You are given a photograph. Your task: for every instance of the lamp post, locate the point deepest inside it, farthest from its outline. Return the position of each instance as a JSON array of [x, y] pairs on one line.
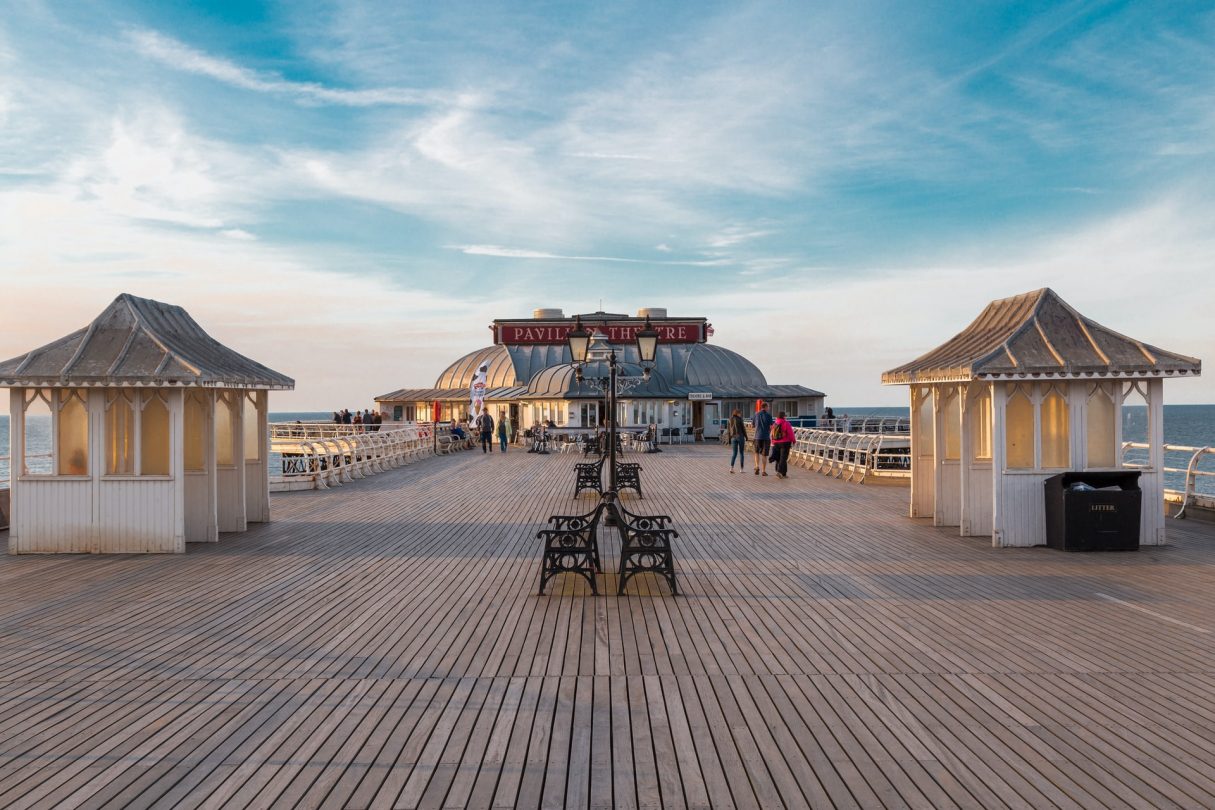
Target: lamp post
[[647, 348]]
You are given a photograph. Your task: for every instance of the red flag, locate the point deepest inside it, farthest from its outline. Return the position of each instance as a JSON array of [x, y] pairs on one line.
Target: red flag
[[437, 410]]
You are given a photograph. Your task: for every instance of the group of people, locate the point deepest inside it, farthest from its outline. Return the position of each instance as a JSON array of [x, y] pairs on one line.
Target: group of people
[[345, 417], [485, 426], [773, 441]]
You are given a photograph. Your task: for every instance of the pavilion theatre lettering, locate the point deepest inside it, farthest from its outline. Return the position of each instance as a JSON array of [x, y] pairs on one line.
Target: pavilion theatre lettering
[[539, 333]]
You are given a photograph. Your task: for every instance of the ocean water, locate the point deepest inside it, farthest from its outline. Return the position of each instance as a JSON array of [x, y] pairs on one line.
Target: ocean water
[[1188, 425]]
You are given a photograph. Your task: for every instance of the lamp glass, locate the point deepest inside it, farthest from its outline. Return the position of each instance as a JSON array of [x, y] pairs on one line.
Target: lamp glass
[[647, 342], [579, 340]]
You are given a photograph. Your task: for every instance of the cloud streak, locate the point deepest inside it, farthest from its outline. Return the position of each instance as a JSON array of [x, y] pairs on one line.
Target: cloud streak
[[522, 253], [178, 55]]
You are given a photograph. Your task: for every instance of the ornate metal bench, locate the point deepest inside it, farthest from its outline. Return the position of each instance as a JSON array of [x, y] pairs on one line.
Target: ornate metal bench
[[645, 546], [628, 476], [571, 547], [589, 476]]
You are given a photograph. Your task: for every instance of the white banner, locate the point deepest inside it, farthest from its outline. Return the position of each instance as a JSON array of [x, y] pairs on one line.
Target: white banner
[[477, 390]]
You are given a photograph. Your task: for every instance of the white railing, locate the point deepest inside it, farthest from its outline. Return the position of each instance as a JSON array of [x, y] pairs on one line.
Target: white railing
[[7, 461], [852, 456], [331, 430], [1134, 455], [322, 462]]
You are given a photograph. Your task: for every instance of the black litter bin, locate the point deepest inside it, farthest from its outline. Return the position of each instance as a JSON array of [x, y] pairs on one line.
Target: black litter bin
[[1093, 511]]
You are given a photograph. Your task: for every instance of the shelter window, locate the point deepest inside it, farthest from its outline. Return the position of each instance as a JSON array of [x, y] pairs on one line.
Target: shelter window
[[251, 424], [789, 406], [980, 425], [951, 422], [1055, 431], [225, 435], [1102, 442], [1019, 431], [153, 434], [119, 433], [38, 441], [925, 419], [196, 432], [72, 432]]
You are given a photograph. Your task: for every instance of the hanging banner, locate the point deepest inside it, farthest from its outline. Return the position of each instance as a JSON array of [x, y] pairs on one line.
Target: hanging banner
[[477, 389]]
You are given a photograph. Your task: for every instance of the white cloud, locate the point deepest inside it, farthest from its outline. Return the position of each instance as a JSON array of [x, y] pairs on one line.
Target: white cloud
[[344, 337], [180, 56], [521, 253]]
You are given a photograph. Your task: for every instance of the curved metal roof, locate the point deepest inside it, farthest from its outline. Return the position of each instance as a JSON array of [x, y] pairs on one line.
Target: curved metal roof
[[1038, 334], [679, 368], [140, 342]]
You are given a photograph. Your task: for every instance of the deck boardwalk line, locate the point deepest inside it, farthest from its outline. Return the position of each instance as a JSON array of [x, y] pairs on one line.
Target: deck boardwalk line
[[382, 645]]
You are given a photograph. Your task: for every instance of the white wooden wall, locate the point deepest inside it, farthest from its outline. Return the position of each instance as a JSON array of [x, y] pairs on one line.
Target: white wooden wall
[[257, 473], [98, 514], [230, 478], [977, 483], [202, 524], [947, 486], [922, 458]]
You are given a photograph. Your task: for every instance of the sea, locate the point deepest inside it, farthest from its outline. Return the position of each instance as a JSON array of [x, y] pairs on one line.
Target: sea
[[1186, 425]]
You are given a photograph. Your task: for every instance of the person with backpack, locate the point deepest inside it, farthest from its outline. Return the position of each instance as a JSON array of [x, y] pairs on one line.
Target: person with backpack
[[762, 422], [485, 426], [736, 432], [782, 443]]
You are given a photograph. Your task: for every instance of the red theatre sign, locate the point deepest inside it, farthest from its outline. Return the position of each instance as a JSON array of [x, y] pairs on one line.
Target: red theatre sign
[[538, 332]]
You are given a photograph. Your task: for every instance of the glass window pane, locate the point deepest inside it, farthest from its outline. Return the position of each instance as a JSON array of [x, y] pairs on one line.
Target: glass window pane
[[119, 434], [926, 427], [980, 426], [252, 445], [951, 419], [1100, 430], [37, 437], [195, 433], [224, 437], [73, 433], [1055, 433], [1019, 432], [154, 436]]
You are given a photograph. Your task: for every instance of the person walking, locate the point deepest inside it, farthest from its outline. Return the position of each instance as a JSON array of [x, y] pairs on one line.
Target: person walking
[[736, 432], [485, 426], [762, 422], [503, 431], [782, 444]]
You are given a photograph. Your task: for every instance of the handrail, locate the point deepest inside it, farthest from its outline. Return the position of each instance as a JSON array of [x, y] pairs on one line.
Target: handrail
[[1191, 471], [329, 430], [324, 461], [852, 456]]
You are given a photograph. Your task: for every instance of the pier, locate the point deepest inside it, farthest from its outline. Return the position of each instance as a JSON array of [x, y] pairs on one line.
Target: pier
[[382, 644]]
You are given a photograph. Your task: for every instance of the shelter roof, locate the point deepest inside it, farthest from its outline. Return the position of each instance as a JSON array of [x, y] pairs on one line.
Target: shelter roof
[[140, 342], [1037, 334]]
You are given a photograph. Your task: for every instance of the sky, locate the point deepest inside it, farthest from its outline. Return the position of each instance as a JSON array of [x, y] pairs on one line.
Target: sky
[[349, 192]]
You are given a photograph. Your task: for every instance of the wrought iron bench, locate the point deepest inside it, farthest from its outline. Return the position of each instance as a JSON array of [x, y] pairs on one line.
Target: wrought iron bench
[[628, 476], [571, 547], [645, 547], [589, 476]]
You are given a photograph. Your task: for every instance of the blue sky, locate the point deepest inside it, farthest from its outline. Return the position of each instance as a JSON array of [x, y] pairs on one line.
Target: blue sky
[[350, 191]]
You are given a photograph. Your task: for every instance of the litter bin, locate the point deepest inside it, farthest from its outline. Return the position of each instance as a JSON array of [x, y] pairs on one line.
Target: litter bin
[[1093, 511]]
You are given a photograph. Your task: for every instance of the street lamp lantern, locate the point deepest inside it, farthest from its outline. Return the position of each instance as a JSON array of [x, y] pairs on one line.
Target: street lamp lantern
[[647, 342], [579, 340]]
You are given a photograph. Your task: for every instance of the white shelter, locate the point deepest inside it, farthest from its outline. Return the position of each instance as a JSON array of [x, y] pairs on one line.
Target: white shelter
[[1031, 388], [138, 433]]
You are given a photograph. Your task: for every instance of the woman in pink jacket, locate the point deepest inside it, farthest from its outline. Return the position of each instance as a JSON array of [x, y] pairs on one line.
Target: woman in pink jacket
[[782, 443]]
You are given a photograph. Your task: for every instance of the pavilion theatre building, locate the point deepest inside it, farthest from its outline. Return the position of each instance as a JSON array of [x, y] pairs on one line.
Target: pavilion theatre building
[[529, 378]]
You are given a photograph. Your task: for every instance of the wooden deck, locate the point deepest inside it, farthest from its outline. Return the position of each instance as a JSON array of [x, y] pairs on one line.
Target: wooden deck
[[381, 645]]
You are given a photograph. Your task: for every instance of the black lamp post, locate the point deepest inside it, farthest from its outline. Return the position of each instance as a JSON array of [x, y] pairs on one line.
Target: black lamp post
[[647, 347]]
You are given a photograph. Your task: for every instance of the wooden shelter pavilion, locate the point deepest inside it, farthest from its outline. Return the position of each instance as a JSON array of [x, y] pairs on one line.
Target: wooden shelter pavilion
[[1031, 388], [157, 435]]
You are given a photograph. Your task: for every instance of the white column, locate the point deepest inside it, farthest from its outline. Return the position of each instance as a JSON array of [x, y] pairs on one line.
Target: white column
[[16, 448], [999, 397]]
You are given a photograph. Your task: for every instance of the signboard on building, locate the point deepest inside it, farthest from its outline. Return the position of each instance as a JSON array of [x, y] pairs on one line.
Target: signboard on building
[[700, 396], [617, 331]]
